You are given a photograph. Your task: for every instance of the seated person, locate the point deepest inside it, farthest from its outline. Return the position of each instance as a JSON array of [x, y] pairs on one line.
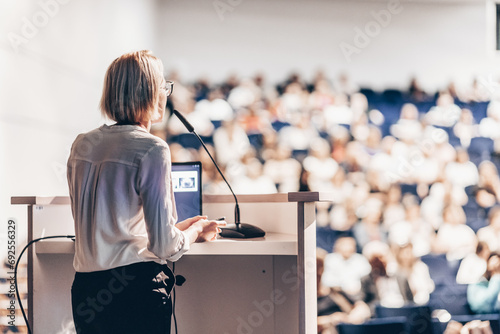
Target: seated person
[[344, 268], [454, 237], [483, 295], [491, 233], [415, 271], [384, 285], [473, 266], [335, 306], [370, 228]]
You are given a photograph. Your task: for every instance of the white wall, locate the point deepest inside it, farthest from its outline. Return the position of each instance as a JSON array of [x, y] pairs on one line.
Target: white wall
[[50, 85], [437, 41]]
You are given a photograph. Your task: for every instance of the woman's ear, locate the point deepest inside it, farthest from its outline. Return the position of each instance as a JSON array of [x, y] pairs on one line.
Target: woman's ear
[[158, 116], [159, 112]]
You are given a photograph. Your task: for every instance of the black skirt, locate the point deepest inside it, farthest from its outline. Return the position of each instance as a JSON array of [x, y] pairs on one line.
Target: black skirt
[[132, 299]]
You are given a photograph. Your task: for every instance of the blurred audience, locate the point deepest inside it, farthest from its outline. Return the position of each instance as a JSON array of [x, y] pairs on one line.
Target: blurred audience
[[408, 169]]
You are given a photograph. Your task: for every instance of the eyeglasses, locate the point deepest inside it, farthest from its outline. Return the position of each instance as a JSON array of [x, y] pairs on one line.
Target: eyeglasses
[[169, 87]]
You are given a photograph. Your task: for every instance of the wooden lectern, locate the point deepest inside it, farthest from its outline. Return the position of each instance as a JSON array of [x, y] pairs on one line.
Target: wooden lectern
[[265, 285]]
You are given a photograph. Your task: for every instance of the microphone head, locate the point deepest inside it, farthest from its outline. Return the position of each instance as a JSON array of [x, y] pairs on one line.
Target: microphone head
[[184, 121]]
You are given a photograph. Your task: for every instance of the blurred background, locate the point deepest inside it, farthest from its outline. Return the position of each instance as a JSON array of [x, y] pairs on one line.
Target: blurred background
[[389, 104]]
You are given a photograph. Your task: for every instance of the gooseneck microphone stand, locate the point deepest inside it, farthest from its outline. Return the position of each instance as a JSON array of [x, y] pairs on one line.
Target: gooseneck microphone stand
[[238, 229]]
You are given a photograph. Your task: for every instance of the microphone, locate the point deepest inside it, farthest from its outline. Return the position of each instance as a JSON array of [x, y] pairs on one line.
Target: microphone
[[188, 125], [238, 229]]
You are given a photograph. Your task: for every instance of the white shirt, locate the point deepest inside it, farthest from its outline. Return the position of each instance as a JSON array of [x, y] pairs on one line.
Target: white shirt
[[122, 199], [471, 270], [285, 172], [260, 185], [462, 174], [421, 283], [458, 239], [345, 273], [321, 171], [491, 236], [230, 148], [389, 292], [417, 232]]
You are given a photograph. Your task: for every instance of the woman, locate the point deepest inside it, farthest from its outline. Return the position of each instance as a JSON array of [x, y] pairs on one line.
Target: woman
[[483, 295], [491, 233], [384, 285], [334, 305], [123, 206], [416, 273], [454, 238]]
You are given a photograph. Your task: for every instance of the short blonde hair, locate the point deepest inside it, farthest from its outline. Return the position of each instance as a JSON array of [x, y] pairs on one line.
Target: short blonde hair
[[131, 88]]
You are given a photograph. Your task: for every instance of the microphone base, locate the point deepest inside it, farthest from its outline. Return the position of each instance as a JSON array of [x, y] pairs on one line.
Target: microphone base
[[243, 231]]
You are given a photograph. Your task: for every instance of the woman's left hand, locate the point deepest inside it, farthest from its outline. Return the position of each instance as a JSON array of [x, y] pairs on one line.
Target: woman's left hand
[[185, 224]]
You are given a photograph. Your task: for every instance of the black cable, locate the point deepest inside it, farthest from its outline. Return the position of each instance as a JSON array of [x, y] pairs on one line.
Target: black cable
[[69, 237], [173, 300], [15, 272]]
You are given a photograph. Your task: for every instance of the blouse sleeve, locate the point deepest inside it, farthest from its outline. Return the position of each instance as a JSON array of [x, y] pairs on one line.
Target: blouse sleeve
[[155, 190]]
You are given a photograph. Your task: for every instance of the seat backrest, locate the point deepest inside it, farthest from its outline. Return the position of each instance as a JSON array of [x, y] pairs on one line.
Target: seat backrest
[[441, 270], [395, 325], [450, 297], [418, 317]]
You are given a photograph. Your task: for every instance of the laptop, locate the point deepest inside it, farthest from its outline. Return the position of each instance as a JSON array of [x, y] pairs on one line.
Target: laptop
[[186, 181]]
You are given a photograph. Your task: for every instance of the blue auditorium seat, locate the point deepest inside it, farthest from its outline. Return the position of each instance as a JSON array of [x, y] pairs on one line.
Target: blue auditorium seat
[[442, 271], [299, 155], [371, 95], [495, 158], [395, 325], [479, 110], [256, 140], [326, 237], [476, 216], [390, 111], [216, 123], [480, 149], [392, 96], [477, 223], [391, 114], [325, 135], [452, 138], [278, 125], [425, 106], [409, 189], [451, 297], [418, 317], [189, 140]]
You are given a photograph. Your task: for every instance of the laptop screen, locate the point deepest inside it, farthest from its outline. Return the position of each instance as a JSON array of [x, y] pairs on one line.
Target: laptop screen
[[186, 180]]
